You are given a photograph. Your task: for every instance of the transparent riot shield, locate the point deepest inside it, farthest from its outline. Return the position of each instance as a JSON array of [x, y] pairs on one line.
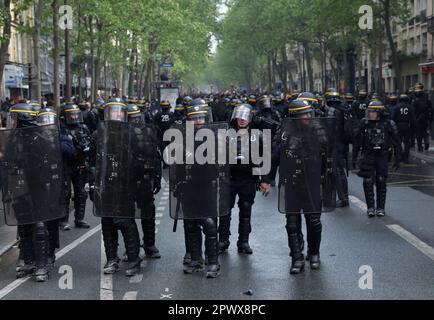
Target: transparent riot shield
[[124, 170], [306, 179], [31, 174], [199, 190]]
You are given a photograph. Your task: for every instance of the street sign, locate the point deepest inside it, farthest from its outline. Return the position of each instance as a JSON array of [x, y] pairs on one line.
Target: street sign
[[167, 65]]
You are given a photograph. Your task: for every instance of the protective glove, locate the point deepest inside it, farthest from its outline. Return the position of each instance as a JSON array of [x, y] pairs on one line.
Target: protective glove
[[157, 185]]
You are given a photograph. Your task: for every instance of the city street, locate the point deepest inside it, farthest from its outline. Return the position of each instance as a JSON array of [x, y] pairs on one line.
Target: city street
[[398, 248]]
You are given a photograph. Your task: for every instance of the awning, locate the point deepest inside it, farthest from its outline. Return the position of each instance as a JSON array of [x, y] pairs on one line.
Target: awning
[[426, 64]]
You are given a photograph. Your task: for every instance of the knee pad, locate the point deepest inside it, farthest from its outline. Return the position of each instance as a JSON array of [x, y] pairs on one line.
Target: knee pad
[[209, 226], [292, 223]]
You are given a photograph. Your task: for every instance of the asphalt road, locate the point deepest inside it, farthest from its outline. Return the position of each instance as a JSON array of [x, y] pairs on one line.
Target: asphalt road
[[398, 249]]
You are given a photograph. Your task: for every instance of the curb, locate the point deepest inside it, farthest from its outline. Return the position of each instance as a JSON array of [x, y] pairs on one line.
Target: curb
[[7, 247]]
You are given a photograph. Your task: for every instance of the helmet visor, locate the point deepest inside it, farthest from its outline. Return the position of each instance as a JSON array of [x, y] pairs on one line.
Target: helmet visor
[[73, 116], [116, 112], [242, 112]]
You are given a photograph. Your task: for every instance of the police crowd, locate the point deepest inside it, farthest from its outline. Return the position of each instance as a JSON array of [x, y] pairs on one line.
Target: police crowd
[[112, 152]]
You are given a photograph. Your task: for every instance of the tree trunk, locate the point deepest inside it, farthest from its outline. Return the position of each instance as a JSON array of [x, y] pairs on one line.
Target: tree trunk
[[68, 76], [5, 37], [36, 74], [395, 59], [56, 56], [309, 65]]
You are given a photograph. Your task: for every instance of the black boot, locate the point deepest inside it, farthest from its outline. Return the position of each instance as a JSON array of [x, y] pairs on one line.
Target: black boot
[[40, 243], [314, 231], [244, 230], [132, 246], [297, 265], [80, 211], [110, 238], [196, 263], [148, 227], [187, 256], [381, 196], [224, 233], [368, 188], [25, 265], [211, 249]]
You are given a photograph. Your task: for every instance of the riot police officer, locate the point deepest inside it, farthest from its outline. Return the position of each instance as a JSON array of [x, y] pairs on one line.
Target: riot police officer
[[37, 213], [360, 105], [337, 110], [423, 111], [179, 114], [164, 118], [301, 147], [268, 118], [403, 115], [89, 118], [194, 225], [375, 136], [243, 182], [117, 212], [76, 168], [152, 184]]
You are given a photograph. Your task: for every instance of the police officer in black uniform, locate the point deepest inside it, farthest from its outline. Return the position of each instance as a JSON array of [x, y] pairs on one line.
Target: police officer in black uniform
[[39, 240], [360, 105], [375, 136], [117, 111], [301, 109], [89, 118], [423, 111], [243, 183], [148, 187], [199, 114], [337, 110], [76, 168], [403, 115]]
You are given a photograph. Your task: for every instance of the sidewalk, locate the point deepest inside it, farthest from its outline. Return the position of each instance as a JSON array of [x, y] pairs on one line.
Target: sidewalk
[[8, 235]]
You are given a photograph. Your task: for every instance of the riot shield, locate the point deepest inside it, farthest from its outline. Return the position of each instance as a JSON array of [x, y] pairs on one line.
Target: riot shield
[[124, 175], [306, 180], [200, 190], [31, 174]]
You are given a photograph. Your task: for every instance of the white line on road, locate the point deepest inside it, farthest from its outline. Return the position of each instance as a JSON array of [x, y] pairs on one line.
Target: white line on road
[[106, 282], [131, 295], [165, 198], [358, 203], [15, 284], [413, 240], [157, 222], [159, 215], [162, 203], [161, 208]]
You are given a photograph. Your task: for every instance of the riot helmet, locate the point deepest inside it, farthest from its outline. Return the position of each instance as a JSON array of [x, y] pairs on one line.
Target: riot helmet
[[300, 109], [46, 116], [244, 113], [116, 111], [21, 115], [309, 97], [403, 98], [198, 112], [71, 114], [135, 114], [333, 97], [375, 107], [264, 102], [165, 105]]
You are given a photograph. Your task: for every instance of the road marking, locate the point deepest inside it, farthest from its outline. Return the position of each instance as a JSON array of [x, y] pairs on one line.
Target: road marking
[[131, 295], [137, 278], [165, 198], [162, 203], [157, 222], [166, 295], [358, 203], [15, 284], [159, 215], [166, 193], [106, 281], [161, 208], [156, 230], [413, 240]]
